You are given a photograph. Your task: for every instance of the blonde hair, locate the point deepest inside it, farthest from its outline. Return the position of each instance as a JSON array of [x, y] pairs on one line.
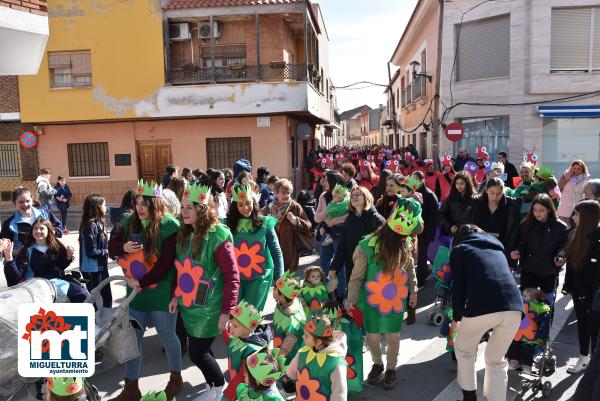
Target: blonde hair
[[283, 183], [366, 194]]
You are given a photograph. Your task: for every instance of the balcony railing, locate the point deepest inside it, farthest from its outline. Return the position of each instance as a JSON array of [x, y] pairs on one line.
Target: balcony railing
[[414, 91], [275, 72]]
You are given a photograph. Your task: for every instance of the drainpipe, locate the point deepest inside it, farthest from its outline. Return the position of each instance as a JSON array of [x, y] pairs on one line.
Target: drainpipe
[[258, 71], [395, 122], [435, 140]]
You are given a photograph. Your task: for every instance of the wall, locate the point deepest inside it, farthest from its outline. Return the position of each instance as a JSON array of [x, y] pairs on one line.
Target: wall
[[39, 7], [9, 94], [188, 144], [121, 73]]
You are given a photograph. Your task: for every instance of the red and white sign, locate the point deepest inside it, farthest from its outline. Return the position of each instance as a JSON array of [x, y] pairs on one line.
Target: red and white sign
[[455, 132], [28, 140]]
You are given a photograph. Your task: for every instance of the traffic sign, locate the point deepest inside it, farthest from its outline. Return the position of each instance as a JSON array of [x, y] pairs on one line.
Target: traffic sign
[[28, 140], [455, 132]]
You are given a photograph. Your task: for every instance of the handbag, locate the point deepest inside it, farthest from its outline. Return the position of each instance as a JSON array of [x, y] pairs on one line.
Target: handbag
[[302, 241]]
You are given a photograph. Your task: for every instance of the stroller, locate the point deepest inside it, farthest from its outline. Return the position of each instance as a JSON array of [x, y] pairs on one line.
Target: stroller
[[443, 283]]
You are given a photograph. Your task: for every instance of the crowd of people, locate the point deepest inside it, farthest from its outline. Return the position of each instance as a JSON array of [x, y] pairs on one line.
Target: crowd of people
[[205, 250]]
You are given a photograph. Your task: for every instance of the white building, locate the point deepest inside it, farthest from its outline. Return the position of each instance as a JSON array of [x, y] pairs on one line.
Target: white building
[[524, 53]]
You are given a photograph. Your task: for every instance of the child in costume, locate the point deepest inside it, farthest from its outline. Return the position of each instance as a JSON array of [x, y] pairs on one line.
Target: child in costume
[[66, 389], [408, 188], [289, 318], [319, 368], [380, 284], [263, 369], [256, 246], [338, 207], [245, 336], [154, 396], [313, 293], [533, 331]]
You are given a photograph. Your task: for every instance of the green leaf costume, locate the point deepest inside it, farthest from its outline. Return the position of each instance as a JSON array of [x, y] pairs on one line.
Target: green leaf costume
[[337, 209], [354, 356], [292, 323], [245, 393], [313, 381], [313, 296]]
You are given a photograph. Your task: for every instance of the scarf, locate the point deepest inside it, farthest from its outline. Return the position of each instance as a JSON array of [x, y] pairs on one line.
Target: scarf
[[278, 209]]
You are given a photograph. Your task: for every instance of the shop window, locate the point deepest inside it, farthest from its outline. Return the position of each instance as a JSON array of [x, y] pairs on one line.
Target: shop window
[[88, 159], [70, 69], [568, 139], [491, 132], [9, 160], [224, 152]]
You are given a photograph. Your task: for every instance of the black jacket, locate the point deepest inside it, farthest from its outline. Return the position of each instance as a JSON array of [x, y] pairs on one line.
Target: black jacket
[[477, 217], [540, 244], [511, 172], [354, 229], [454, 213], [48, 265], [585, 282], [430, 213], [482, 281]]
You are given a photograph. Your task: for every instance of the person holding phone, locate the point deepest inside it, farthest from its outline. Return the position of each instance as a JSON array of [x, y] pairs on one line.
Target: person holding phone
[[144, 245], [541, 249], [208, 282]]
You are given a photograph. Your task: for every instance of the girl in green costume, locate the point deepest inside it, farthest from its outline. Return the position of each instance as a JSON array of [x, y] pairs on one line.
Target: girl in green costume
[[144, 245], [207, 282], [289, 318], [264, 368], [382, 277], [314, 293], [257, 249]]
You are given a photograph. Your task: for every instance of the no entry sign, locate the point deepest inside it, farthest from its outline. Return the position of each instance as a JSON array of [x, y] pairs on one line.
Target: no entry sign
[[455, 132], [28, 140]]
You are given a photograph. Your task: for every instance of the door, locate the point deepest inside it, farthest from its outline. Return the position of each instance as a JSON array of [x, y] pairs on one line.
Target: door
[[153, 159]]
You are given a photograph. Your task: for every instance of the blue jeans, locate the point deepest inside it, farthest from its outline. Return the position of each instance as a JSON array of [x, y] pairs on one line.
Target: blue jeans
[[326, 257], [164, 322]]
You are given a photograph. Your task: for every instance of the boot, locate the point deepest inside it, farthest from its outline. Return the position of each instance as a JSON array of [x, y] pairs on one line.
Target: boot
[[469, 395], [374, 376], [389, 379], [130, 392], [174, 385], [411, 316]]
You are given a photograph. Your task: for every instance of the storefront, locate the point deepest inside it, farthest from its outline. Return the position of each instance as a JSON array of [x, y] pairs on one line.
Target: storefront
[[491, 132]]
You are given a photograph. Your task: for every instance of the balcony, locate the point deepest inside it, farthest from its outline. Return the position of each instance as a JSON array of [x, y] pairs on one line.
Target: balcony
[[274, 72], [415, 93]]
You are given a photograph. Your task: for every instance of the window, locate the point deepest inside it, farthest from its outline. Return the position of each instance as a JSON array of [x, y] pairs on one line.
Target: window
[[227, 55], [70, 69], [491, 132], [575, 39], [88, 159], [9, 160], [483, 49], [568, 139], [223, 152]]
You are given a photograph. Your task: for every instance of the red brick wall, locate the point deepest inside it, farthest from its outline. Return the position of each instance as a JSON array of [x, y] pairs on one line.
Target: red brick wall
[[39, 7], [10, 132], [9, 94]]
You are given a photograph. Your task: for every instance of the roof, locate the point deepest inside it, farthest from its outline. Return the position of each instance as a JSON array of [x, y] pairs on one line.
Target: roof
[[374, 119], [182, 4], [352, 112]]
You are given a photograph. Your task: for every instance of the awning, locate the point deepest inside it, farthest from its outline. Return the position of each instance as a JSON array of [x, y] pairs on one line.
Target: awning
[[569, 111]]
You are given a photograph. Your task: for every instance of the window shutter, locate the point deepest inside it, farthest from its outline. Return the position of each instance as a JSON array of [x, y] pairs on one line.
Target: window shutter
[[484, 49], [81, 63], [570, 39], [596, 34]]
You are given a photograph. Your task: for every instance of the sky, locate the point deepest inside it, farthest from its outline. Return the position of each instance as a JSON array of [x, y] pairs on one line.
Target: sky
[[362, 37]]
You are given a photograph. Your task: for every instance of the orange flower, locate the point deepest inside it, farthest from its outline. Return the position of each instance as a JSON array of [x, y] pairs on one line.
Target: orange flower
[[188, 278], [445, 273], [314, 304], [135, 266], [249, 260], [310, 326], [528, 326], [277, 341], [386, 293], [307, 389], [350, 372], [72, 388]]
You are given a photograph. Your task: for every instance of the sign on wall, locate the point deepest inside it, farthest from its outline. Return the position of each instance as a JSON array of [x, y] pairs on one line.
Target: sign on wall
[[28, 140], [263, 122]]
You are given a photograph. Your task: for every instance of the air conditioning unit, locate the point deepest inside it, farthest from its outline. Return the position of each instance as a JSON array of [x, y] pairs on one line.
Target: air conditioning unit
[[204, 30], [179, 31]]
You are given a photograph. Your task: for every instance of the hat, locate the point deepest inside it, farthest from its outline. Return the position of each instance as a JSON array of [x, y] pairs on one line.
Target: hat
[[340, 190], [262, 370], [197, 193], [446, 160], [412, 183], [498, 165], [482, 153], [241, 165], [288, 285], [65, 386], [544, 173], [148, 188], [428, 162], [247, 315], [391, 164], [241, 193], [321, 327], [363, 165], [406, 216], [154, 396]]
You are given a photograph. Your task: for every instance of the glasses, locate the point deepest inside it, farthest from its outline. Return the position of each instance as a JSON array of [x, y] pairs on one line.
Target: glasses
[[357, 195]]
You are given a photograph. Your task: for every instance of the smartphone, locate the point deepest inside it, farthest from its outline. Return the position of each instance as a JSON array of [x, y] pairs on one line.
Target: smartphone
[[136, 237], [503, 176], [202, 294]]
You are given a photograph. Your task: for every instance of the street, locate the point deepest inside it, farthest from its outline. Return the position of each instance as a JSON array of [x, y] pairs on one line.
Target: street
[[424, 372]]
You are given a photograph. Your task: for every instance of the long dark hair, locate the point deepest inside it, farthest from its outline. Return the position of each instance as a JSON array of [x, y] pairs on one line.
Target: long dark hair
[[206, 219], [380, 188], [589, 218], [333, 178], [128, 200], [53, 243], [213, 175], [91, 213], [454, 195], [394, 251], [156, 212], [492, 182], [544, 200], [234, 216], [388, 202], [177, 185]]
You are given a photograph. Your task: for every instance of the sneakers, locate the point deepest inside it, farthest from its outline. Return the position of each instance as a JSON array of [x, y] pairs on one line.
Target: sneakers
[[389, 379], [580, 365], [514, 364], [212, 394], [374, 376]]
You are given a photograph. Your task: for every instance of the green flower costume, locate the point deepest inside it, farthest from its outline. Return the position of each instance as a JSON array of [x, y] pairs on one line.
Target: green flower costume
[[313, 382], [157, 296], [200, 284], [337, 209], [255, 262], [292, 323], [245, 393], [313, 296], [354, 355]]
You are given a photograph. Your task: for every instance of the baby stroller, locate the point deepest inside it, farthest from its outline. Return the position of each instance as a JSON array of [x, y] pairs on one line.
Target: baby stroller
[[545, 359], [443, 283]]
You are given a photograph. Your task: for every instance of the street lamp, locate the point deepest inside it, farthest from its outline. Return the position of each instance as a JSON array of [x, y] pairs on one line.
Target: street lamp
[[415, 64]]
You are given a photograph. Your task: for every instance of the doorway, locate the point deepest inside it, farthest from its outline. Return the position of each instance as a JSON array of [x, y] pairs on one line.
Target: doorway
[[154, 156]]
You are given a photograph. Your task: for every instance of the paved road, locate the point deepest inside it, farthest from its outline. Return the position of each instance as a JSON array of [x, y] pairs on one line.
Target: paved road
[[424, 372]]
